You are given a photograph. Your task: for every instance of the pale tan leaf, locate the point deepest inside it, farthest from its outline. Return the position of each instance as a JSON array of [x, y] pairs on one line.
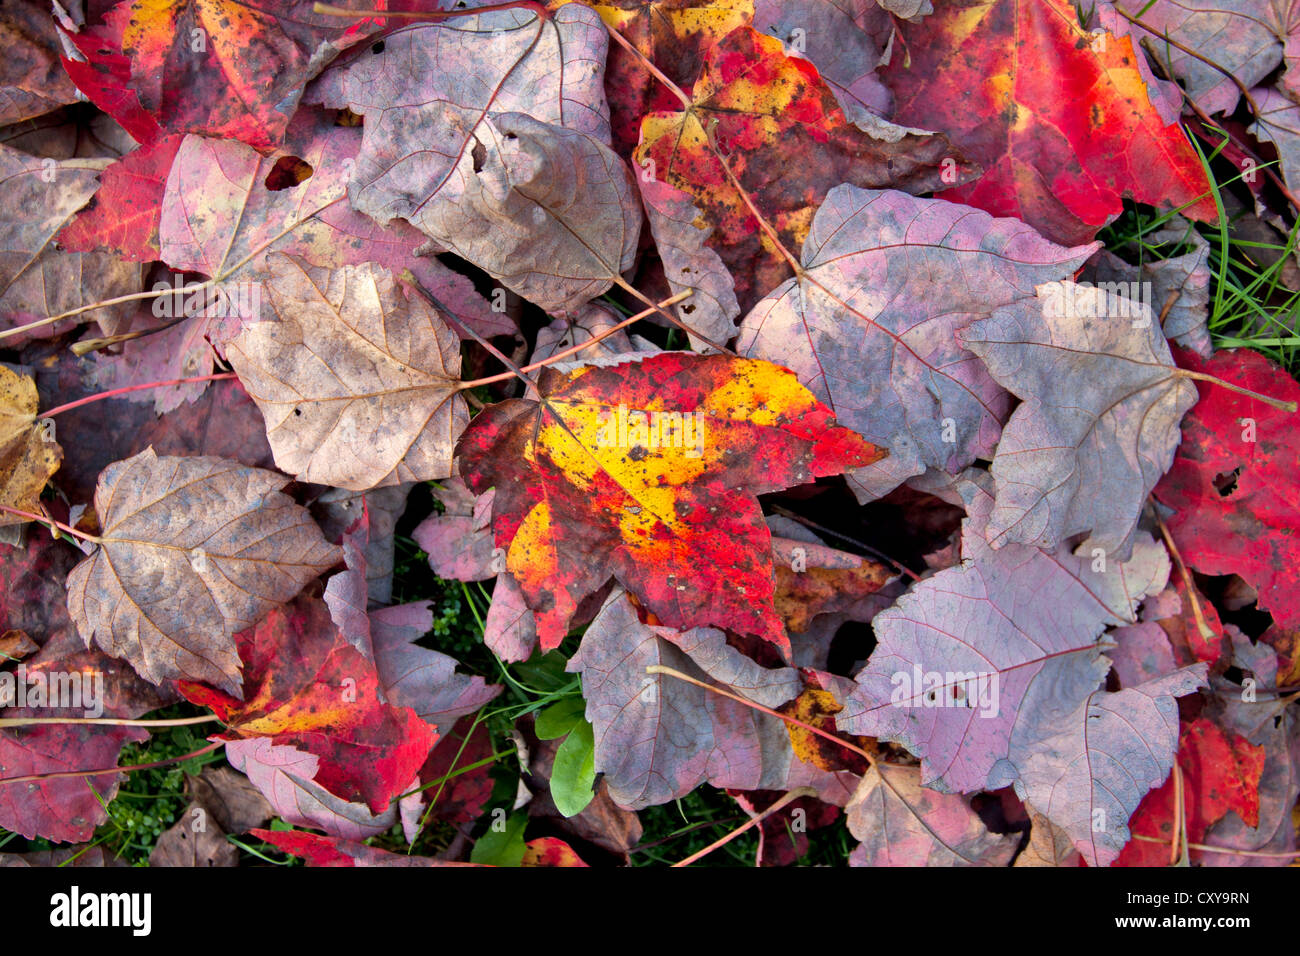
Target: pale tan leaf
[[356, 377], [193, 550]]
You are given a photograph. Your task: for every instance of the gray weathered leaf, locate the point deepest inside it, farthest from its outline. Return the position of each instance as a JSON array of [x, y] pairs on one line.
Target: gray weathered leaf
[[338, 509], [908, 9], [915, 272], [1179, 283], [550, 212], [432, 99], [1087, 767], [1278, 122], [1142, 651], [1099, 422], [426, 91], [458, 540], [961, 653], [689, 264], [219, 216], [658, 738], [509, 630], [424, 680], [901, 823], [37, 280], [588, 322]]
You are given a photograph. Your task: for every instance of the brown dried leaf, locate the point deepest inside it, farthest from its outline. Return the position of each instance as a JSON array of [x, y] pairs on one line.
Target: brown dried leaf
[[356, 377], [1049, 845], [29, 455], [813, 579], [229, 797], [193, 550], [15, 645], [194, 841], [32, 81]]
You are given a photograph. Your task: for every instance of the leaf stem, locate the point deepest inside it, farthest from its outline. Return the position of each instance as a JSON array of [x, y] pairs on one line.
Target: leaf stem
[[661, 669], [1214, 380], [409, 278], [649, 67], [104, 304], [1232, 851], [1178, 848], [1245, 91], [558, 356], [36, 777], [646, 300], [106, 721], [46, 519], [135, 388], [1202, 625], [86, 346], [754, 821]]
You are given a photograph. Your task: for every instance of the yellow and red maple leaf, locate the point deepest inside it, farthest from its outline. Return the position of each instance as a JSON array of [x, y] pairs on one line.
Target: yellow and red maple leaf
[[646, 471], [787, 143], [221, 68], [671, 34]]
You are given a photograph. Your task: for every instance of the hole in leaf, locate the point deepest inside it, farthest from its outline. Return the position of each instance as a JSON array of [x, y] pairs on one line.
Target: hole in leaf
[[288, 171], [1227, 484], [479, 154], [377, 47]]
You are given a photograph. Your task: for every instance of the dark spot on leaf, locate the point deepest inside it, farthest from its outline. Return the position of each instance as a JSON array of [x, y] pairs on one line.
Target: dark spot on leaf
[[1226, 484], [288, 171]]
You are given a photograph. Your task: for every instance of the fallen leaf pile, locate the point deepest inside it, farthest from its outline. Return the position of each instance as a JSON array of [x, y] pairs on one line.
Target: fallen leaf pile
[[761, 357]]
